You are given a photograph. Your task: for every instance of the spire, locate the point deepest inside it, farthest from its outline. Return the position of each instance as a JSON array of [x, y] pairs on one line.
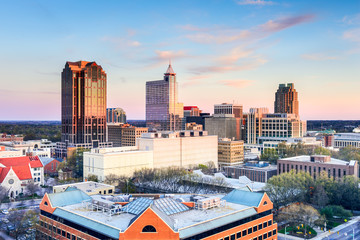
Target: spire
[[170, 70]]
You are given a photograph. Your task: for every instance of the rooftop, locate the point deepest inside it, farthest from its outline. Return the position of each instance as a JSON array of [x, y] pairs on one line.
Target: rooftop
[[104, 214], [86, 187], [306, 158]]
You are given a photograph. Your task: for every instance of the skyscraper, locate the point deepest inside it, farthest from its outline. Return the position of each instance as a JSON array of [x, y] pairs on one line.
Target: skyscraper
[[286, 99], [115, 115], [163, 111], [83, 106]]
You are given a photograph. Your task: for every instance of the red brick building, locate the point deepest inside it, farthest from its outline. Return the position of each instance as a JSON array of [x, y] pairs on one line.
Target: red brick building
[[238, 215]]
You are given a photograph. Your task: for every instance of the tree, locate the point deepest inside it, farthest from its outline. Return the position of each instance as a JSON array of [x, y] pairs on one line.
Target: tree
[[93, 178], [289, 187], [75, 162], [320, 197], [270, 154], [32, 188], [3, 194], [333, 210], [299, 213]]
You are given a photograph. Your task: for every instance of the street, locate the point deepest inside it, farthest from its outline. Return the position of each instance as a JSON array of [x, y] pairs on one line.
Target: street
[[346, 233]]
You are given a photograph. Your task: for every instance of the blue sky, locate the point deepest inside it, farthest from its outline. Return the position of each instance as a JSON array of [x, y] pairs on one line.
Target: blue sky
[[222, 51]]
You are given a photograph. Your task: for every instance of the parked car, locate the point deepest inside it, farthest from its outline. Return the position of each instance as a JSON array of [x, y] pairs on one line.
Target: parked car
[[4, 211]]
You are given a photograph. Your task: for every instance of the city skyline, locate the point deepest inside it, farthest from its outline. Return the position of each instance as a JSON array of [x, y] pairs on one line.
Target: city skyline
[[222, 51]]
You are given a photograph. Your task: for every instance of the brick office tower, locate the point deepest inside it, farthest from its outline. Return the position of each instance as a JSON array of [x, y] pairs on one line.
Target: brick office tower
[[83, 106], [286, 99], [163, 111]]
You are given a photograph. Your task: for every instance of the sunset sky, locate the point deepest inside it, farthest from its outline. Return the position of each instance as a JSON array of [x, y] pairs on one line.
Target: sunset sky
[[222, 51]]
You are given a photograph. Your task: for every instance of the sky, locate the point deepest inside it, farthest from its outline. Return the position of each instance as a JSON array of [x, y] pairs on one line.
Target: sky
[[235, 51]]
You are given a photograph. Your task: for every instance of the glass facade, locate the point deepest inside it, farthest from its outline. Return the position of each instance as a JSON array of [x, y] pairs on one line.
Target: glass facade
[[83, 103], [163, 111]]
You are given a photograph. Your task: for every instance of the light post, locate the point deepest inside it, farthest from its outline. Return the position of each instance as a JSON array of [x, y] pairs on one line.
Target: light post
[[286, 225]]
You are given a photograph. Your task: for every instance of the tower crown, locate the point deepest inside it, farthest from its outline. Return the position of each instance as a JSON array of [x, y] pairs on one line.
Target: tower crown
[[170, 70]]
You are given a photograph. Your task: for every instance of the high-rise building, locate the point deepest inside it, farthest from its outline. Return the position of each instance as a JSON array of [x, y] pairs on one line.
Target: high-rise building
[[115, 115], [254, 125], [286, 99], [229, 108], [163, 111], [83, 106]]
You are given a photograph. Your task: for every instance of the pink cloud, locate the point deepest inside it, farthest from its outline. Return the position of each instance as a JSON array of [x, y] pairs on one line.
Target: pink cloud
[[238, 83], [255, 2], [235, 54], [252, 64], [221, 36]]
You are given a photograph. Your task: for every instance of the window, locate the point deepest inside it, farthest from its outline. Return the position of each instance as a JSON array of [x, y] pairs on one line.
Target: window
[[254, 228], [244, 233], [265, 235], [238, 235], [274, 231], [68, 235], [269, 222], [269, 234], [232, 237], [73, 237], [249, 230], [63, 233], [226, 238], [59, 231], [149, 228], [265, 224], [260, 226], [265, 203], [45, 203], [260, 238]]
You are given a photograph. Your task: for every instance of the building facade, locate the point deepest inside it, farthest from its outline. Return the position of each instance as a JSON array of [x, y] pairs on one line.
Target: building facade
[[254, 124], [17, 172], [238, 215], [286, 99], [83, 106], [281, 125], [163, 111], [229, 108], [191, 111], [342, 140], [115, 115], [122, 135], [255, 171], [230, 152], [316, 164], [224, 126], [153, 150]]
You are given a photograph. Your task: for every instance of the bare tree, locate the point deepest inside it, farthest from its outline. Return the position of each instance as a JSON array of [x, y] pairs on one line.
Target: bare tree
[[3, 194], [32, 188]]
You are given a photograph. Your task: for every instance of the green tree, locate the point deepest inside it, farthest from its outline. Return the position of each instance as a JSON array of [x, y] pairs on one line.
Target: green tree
[[93, 178], [270, 154]]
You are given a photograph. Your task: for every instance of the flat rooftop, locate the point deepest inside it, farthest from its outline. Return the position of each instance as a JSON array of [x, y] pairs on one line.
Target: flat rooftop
[[86, 187], [306, 158]]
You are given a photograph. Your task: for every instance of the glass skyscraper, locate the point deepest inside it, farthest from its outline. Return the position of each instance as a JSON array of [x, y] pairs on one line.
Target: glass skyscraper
[[83, 106], [163, 111]]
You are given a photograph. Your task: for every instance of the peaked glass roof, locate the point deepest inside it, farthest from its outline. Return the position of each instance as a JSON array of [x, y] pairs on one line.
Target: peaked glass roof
[[137, 206], [170, 206]]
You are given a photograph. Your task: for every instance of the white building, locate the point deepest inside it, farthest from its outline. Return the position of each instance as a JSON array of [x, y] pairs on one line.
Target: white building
[[153, 150], [30, 146], [347, 139], [17, 172], [9, 152]]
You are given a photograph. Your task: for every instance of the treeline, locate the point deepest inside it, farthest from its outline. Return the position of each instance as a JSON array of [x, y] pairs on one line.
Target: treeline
[[337, 125], [33, 131], [291, 187], [285, 151]]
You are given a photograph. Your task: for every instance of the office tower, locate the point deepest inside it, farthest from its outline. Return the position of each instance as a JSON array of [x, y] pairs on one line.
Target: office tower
[[115, 115], [230, 152], [163, 111], [286, 99], [83, 106], [253, 124], [229, 108]]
